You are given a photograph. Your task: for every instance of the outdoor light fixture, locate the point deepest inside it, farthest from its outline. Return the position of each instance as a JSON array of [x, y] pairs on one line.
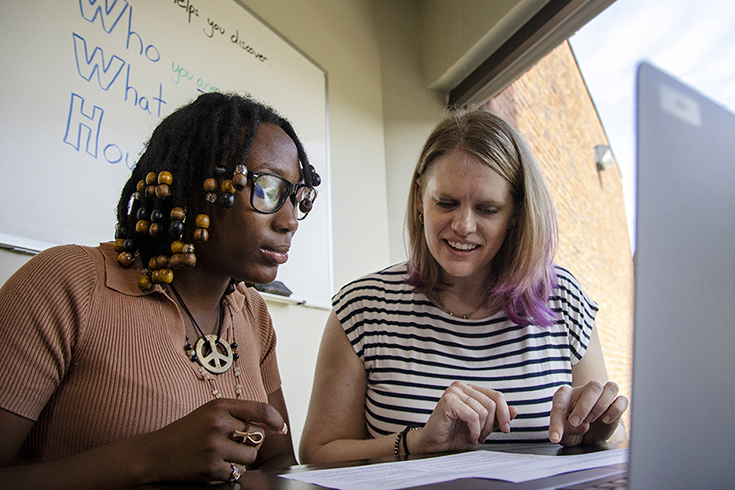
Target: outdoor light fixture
[[603, 157]]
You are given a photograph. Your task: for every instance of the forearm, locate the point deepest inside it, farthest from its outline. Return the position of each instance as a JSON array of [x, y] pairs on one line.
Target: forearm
[[350, 449], [116, 465]]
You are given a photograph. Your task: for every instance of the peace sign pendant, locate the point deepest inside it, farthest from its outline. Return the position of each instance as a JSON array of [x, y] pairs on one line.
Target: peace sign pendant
[[214, 354]]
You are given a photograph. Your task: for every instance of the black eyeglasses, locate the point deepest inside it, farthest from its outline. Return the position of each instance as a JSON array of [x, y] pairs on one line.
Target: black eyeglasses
[[270, 191]]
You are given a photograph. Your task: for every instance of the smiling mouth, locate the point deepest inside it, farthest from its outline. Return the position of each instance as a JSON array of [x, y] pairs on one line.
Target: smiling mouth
[[464, 247]]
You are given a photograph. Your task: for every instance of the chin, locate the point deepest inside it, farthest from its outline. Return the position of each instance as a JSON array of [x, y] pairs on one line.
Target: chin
[[264, 278]]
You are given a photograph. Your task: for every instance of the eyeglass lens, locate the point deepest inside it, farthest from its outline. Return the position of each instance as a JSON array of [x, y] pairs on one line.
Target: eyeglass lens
[[271, 191]]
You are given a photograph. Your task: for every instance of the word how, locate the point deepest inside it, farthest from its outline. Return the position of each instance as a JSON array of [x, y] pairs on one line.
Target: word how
[[83, 133]]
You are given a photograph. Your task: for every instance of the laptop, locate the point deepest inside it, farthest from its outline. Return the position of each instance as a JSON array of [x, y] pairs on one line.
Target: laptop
[[683, 399]]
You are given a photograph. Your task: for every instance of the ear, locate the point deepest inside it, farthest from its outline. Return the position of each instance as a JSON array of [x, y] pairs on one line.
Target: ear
[[419, 197]]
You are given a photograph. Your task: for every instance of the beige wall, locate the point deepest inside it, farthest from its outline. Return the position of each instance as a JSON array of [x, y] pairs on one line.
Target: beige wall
[[456, 37]]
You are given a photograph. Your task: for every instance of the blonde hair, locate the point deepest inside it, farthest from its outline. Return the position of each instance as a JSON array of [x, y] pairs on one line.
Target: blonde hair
[[522, 272]]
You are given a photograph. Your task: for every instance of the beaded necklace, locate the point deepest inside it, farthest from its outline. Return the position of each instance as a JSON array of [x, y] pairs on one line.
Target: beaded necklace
[[211, 352]]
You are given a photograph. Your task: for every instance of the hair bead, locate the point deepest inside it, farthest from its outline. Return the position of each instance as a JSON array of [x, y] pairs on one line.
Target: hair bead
[[126, 258], [151, 178], [142, 226], [163, 191], [163, 262], [141, 186], [201, 221], [201, 235], [176, 228], [142, 214], [210, 185], [150, 191], [227, 186], [155, 230], [129, 245], [227, 200], [156, 216], [178, 213], [177, 247], [239, 181], [166, 275], [121, 231], [119, 245], [165, 177], [144, 282], [211, 197]]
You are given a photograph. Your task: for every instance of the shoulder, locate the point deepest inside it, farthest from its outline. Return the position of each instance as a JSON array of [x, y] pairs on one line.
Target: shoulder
[[62, 266], [568, 286], [251, 300], [377, 286], [251, 304], [570, 300]]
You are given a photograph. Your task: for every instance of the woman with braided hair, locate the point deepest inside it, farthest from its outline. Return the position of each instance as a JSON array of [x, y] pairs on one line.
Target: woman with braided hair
[[151, 359]]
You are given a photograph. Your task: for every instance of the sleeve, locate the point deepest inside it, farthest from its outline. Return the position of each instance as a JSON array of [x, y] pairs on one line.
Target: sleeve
[[348, 306], [577, 311], [43, 308], [269, 362]]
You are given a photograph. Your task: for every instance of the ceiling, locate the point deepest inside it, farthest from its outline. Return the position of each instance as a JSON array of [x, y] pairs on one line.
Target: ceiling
[[499, 40]]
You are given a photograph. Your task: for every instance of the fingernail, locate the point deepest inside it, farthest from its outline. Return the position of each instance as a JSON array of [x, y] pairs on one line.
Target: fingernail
[[606, 419], [554, 436], [284, 429], [574, 421], [506, 428]]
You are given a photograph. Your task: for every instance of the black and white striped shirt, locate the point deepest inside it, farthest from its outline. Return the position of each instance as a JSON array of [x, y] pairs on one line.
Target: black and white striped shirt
[[412, 351]]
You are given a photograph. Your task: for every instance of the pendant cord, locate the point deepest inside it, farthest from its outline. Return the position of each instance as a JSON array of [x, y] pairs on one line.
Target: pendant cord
[[191, 317]]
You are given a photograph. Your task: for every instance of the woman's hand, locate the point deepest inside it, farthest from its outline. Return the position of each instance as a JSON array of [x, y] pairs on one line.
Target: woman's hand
[[587, 414], [202, 445], [465, 415]]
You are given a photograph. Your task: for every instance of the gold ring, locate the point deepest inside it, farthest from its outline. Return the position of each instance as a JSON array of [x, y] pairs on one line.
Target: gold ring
[[254, 437], [467, 400]]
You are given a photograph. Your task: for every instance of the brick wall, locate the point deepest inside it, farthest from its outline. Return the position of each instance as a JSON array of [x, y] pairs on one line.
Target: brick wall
[[551, 107]]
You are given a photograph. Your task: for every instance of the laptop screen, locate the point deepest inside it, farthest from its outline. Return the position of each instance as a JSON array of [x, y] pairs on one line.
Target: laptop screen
[[683, 397]]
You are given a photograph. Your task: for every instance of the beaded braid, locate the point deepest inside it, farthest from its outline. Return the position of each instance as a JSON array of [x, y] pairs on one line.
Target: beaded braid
[[159, 215]]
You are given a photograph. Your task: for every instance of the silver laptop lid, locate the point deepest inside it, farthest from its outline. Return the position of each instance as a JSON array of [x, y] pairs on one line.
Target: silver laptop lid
[[683, 398]]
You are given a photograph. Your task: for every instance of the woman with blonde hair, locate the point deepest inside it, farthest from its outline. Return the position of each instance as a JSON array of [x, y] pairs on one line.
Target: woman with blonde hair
[[479, 335]]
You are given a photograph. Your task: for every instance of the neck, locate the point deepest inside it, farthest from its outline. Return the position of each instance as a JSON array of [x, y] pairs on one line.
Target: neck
[[201, 292], [201, 297], [464, 297]]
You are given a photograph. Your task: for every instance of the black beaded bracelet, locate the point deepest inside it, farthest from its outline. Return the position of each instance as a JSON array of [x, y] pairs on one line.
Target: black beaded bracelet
[[397, 444], [403, 435]]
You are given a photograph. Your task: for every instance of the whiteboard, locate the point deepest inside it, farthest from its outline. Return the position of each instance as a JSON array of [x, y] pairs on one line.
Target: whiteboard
[[84, 83]]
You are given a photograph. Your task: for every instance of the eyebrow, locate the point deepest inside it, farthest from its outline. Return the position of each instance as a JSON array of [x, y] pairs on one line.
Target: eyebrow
[[491, 202]]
